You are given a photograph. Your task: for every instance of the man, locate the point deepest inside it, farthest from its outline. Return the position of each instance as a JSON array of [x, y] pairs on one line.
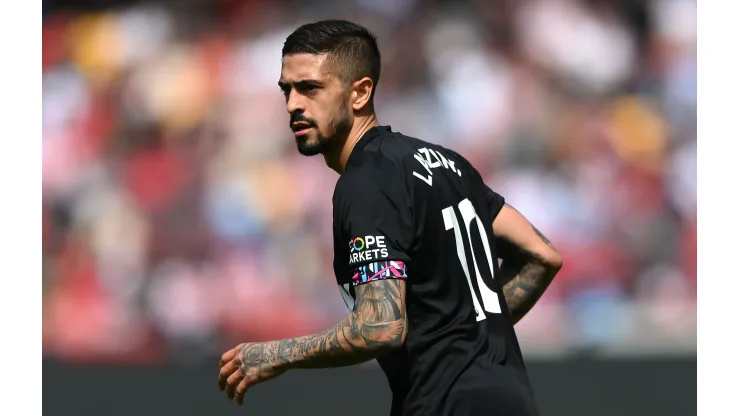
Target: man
[[417, 235]]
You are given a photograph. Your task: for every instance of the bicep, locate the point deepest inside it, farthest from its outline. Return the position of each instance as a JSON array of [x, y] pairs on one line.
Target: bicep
[[515, 235], [380, 312], [383, 300]]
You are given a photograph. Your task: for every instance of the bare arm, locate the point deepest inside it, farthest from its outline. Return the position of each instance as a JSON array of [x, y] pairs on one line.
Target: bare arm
[[376, 326], [530, 261]]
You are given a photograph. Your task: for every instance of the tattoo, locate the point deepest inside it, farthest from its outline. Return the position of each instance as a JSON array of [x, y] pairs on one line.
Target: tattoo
[[257, 359], [376, 326], [379, 317], [542, 236], [525, 277]]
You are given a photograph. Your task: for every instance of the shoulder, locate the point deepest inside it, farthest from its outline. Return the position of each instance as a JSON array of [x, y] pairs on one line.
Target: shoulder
[[381, 165], [384, 156], [384, 150]]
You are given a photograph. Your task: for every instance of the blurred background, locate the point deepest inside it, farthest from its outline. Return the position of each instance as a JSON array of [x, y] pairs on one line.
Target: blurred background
[[179, 219]]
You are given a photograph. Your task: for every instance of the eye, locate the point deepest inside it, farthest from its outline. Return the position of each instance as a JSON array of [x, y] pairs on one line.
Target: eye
[[309, 89]]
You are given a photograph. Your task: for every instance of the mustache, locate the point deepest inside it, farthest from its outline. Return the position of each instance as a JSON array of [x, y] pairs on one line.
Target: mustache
[[299, 117]]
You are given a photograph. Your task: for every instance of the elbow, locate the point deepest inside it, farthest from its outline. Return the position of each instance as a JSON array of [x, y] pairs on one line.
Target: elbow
[[393, 345], [402, 338], [554, 262], [394, 336], [549, 259], [399, 339]]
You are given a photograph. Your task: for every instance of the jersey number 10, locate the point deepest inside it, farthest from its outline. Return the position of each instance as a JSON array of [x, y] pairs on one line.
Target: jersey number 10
[[490, 298]]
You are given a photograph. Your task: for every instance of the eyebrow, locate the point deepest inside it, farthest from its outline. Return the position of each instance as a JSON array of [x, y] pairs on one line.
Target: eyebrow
[[303, 83]]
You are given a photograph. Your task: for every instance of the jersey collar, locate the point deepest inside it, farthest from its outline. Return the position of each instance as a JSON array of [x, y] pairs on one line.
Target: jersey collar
[[366, 138]]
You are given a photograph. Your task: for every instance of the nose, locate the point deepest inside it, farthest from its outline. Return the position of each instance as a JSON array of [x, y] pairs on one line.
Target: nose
[[295, 103]]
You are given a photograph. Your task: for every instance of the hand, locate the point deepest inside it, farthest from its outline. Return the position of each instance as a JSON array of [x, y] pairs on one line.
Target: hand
[[246, 365]]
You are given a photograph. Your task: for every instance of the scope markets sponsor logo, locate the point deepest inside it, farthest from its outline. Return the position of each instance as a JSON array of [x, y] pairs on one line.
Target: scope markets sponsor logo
[[370, 247]]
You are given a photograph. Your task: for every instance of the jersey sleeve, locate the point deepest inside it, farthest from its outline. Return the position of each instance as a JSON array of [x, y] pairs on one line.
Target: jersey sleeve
[[494, 200], [376, 225]]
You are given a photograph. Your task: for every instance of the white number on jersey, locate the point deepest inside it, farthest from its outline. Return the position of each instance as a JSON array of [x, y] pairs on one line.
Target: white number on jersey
[[490, 298]]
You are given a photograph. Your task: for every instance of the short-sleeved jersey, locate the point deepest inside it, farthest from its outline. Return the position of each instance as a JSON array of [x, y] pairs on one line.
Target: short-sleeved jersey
[[412, 210]]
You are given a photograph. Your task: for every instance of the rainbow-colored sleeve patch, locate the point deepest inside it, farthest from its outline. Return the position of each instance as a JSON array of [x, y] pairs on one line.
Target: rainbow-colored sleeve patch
[[379, 270]]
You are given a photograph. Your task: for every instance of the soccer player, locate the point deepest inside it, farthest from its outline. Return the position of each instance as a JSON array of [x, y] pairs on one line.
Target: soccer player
[[417, 237]]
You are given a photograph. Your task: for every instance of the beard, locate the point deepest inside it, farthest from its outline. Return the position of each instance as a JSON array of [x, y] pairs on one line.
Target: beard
[[331, 138]]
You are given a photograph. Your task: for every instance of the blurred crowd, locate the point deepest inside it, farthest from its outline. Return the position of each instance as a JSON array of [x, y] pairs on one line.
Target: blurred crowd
[[179, 219]]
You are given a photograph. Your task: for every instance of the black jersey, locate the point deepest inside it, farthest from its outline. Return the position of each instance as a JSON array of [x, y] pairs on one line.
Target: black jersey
[[412, 210]]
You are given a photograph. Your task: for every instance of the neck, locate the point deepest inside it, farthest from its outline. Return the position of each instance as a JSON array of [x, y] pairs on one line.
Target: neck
[[337, 161]]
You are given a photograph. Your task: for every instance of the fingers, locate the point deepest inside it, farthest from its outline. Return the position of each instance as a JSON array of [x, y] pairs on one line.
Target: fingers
[[232, 382], [226, 370], [231, 378], [241, 390], [229, 355], [228, 365]]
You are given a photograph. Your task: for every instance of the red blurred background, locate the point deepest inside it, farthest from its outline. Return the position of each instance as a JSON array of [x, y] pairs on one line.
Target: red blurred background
[[179, 218]]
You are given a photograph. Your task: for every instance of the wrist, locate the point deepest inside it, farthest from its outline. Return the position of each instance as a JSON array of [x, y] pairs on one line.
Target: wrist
[[282, 357]]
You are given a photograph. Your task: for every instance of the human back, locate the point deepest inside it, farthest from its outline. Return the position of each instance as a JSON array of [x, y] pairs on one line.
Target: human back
[[460, 338]]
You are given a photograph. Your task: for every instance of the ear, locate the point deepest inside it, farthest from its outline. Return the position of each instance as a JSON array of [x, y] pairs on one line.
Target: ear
[[361, 92]]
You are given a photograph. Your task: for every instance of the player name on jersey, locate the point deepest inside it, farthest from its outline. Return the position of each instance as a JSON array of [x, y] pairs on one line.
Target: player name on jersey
[[431, 159], [368, 248]]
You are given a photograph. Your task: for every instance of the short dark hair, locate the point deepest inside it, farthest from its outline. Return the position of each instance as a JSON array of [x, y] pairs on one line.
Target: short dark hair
[[351, 47]]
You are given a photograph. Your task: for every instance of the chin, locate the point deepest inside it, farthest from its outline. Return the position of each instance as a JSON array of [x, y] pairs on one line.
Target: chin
[[312, 144], [309, 148], [309, 151]]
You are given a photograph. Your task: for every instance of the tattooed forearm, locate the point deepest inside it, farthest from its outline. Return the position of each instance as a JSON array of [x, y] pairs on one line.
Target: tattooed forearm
[[376, 326], [525, 278]]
